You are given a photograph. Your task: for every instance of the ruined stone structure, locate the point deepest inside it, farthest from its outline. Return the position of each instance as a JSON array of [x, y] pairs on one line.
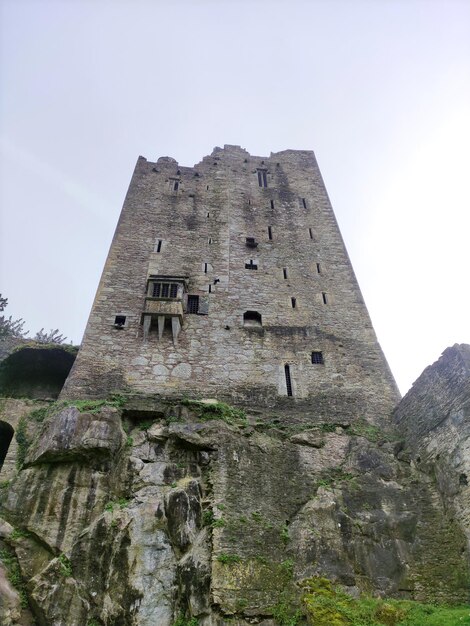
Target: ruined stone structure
[[230, 278]]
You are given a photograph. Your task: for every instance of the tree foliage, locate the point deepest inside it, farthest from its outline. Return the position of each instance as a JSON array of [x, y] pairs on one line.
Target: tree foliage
[[8, 326], [14, 328]]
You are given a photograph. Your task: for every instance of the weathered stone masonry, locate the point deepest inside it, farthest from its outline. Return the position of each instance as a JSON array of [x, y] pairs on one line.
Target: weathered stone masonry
[[252, 245]]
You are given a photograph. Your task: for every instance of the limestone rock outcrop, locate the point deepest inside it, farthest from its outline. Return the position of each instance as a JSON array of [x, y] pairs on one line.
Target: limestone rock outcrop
[[139, 515]]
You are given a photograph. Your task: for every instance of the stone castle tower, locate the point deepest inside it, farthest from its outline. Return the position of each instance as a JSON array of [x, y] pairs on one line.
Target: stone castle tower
[[231, 280]]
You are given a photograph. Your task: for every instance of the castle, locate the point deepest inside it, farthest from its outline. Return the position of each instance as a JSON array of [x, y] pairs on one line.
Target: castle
[[231, 279], [163, 505]]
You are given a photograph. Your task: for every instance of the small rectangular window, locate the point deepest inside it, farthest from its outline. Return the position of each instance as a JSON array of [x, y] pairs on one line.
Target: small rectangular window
[[173, 290], [176, 185], [304, 204], [159, 246], [310, 232], [270, 233], [119, 321], [165, 290], [284, 271], [272, 204], [317, 357], [205, 268], [293, 302], [251, 265], [209, 289], [193, 304], [324, 297], [318, 268], [156, 290], [209, 241]]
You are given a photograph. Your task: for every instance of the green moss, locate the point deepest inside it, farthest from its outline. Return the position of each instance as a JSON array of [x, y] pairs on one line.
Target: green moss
[[217, 411], [326, 605], [228, 559], [65, 566], [23, 442], [14, 576], [182, 621]]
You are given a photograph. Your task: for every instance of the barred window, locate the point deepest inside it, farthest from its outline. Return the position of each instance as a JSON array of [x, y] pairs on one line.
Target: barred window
[[165, 290], [193, 304], [317, 357]]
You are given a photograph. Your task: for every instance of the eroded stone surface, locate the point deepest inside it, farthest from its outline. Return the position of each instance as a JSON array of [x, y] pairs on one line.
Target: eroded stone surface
[[218, 520]]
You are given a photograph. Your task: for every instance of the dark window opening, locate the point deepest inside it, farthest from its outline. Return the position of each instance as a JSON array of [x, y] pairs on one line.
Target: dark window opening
[[284, 271], [159, 245], [193, 304], [165, 290], [270, 233], [119, 321], [210, 289], [317, 357], [176, 185], [251, 242], [262, 178], [209, 241], [272, 204], [310, 232], [251, 265], [318, 268], [208, 215], [207, 187], [252, 318], [463, 480], [205, 268], [288, 380], [6, 435], [304, 203], [293, 302], [325, 299]]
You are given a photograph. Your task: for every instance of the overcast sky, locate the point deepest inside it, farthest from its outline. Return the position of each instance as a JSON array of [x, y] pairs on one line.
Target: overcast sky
[[379, 89]]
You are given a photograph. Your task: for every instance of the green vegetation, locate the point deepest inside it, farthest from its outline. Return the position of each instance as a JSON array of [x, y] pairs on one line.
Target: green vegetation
[[4, 484], [228, 559], [23, 442], [19, 534], [285, 533], [121, 503], [182, 621], [14, 576], [217, 411], [129, 442], [333, 476], [369, 431], [219, 523], [65, 565], [94, 406], [326, 605]]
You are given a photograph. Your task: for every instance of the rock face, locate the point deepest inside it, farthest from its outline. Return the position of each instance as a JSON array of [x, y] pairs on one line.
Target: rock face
[[434, 416], [139, 515]]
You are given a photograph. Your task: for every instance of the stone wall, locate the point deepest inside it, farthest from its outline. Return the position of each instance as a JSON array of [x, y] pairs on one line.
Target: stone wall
[[199, 232]]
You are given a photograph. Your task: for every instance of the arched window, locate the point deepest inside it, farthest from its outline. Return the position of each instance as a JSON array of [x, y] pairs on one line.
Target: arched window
[[6, 435]]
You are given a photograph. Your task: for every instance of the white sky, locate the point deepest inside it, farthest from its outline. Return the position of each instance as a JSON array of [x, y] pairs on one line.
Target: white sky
[[380, 89]]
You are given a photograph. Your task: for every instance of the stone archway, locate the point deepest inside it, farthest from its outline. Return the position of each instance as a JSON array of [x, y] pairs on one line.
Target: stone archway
[[6, 435]]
